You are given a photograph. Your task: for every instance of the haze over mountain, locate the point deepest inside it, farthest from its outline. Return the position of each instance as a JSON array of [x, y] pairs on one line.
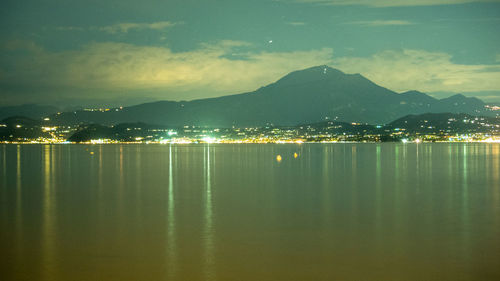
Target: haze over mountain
[[305, 96]]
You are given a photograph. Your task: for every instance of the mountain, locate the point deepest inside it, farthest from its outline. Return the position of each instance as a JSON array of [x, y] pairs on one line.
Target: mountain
[[306, 96], [459, 104]]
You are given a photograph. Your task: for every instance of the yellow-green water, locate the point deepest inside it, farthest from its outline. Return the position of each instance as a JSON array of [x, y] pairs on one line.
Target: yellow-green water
[[234, 212]]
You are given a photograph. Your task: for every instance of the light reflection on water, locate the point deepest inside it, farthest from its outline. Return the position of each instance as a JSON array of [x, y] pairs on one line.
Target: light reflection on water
[[48, 236], [171, 239], [19, 209], [209, 259], [232, 212]]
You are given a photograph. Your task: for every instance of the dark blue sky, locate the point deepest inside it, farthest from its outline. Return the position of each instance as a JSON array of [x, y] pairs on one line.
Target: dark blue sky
[[124, 52]]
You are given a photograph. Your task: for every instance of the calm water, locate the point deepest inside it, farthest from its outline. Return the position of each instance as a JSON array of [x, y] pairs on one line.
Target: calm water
[[233, 212]]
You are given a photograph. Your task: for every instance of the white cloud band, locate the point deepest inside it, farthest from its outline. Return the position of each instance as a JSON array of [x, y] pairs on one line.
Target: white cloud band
[[119, 67], [424, 71], [126, 27], [381, 22]]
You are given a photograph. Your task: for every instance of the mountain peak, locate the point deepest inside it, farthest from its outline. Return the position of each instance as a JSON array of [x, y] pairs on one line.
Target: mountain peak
[[320, 69], [413, 93], [461, 98], [312, 74], [457, 96], [416, 96]]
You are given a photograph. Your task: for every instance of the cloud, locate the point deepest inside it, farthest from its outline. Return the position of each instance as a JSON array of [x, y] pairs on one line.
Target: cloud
[[422, 70], [393, 3], [70, 28], [118, 71], [380, 22], [112, 70], [126, 27], [296, 23], [122, 27]]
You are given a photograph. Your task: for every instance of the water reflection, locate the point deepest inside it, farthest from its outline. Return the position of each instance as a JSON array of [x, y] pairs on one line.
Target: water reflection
[[4, 177], [465, 189], [327, 186], [246, 217], [171, 239], [209, 259], [417, 168], [494, 185], [48, 217], [100, 169], [378, 192], [121, 179], [495, 167], [396, 163], [121, 164], [19, 206], [353, 186], [463, 167], [19, 218], [139, 179]]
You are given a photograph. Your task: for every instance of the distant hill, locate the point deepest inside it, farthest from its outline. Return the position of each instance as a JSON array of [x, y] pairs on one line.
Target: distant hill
[[434, 123], [28, 110], [20, 128], [125, 132], [441, 125], [306, 96]]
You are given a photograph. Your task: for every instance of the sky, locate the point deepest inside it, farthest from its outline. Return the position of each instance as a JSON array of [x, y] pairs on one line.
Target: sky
[[124, 52]]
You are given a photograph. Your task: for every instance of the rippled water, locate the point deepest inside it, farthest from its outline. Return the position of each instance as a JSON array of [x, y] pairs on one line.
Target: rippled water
[[234, 212]]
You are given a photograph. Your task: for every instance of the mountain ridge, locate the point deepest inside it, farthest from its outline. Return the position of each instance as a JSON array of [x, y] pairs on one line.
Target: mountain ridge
[[303, 96]]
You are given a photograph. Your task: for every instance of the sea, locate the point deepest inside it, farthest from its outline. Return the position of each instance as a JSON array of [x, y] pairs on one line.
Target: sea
[[340, 211]]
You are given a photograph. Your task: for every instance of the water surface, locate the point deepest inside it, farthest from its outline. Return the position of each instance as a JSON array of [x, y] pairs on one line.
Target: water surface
[[233, 212]]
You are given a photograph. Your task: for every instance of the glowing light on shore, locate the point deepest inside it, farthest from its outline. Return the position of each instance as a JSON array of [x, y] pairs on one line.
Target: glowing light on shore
[[100, 141], [278, 158], [491, 140], [208, 140], [181, 141]]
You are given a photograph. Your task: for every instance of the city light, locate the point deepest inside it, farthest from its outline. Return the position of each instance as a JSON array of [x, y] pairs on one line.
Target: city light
[[209, 140], [491, 140], [100, 141]]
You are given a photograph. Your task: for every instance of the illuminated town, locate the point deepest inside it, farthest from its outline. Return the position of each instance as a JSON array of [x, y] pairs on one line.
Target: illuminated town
[[458, 128]]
